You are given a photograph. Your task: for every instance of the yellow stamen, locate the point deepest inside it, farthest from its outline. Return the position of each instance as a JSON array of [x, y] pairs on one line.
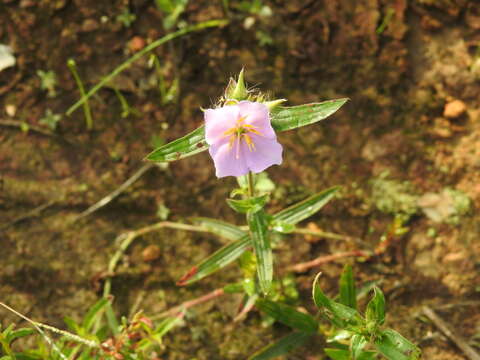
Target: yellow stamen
[[249, 142], [241, 131]]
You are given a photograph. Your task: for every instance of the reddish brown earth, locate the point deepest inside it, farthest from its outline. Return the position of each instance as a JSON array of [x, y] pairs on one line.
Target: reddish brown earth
[[412, 71]]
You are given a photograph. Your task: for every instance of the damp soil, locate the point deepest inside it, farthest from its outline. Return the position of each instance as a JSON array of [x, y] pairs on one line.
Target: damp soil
[[412, 127]]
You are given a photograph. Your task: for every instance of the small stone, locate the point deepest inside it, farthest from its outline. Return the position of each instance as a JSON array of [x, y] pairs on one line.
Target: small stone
[[454, 109], [151, 253], [137, 43], [11, 110], [89, 25]]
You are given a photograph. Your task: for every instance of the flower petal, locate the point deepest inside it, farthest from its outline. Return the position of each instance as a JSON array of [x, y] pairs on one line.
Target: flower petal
[[267, 152], [256, 114], [218, 121], [226, 161]]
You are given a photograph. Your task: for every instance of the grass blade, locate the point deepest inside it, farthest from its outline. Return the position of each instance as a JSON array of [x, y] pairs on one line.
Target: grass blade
[[92, 313], [282, 346], [145, 50]]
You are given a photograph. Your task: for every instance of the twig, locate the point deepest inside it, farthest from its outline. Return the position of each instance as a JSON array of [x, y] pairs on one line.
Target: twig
[[126, 239], [32, 213], [107, 199], [457, 339], [21, 125], [323, 234], [249, 305], [331, 236], [190, 303], [48, 340], [301, 267]]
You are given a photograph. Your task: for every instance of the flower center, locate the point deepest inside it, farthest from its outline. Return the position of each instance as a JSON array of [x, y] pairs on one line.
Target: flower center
[[239, 132]]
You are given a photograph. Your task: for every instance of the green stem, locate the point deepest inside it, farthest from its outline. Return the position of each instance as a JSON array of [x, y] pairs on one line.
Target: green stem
[[251, 184], [145, 50], [86, 106]]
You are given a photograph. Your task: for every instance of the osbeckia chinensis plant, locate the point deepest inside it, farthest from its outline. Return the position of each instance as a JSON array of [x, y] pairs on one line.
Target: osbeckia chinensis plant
[[240, 135]]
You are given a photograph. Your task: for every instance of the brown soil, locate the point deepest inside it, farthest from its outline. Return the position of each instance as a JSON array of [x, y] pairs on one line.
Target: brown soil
[[412, 71]]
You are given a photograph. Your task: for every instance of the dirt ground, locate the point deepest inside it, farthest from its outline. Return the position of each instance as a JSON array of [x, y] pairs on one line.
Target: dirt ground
[[406, 146]]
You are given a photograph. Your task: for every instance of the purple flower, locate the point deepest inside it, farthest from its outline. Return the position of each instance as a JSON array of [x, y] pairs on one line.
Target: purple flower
[[241, 139]]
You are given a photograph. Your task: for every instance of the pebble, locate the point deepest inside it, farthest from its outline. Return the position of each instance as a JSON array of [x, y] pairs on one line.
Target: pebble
[[454, 109], [151, 253], [137, 43], [11, 110]]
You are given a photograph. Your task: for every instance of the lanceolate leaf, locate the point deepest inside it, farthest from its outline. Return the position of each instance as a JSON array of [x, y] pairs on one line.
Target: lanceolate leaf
[[395, 347], [282, 346], [263, 251], [231, 252], [217, 260], [287, 315], [348, 294], [376, 308], [220, 228], [306, 208], [191, 144], [340, 315], [282, 118], [91, 316], [337, 354], [288, 118]]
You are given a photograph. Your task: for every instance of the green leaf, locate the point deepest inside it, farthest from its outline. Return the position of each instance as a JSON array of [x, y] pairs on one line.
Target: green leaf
[[166, 325], [340, 315], [191, 144], [348, 295], [16, 334], [252, 204], [229, 253], [71, 324], [337, 354], [258, 225], [233, 288], [92, 313], [217, 260], [283, 227], [376, 308], [282, 119], [240, 91], [287, 315], [288, 118], [395, 347], [220, 228], [357, 343], [282, 346], [306, 208]]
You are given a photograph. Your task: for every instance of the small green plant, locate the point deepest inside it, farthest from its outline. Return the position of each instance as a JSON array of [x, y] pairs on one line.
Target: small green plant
[[172, 10], [50, 119], [349, 334], [72, 65], [48, 82], [126, 18], [99, 336], [364, 334]]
